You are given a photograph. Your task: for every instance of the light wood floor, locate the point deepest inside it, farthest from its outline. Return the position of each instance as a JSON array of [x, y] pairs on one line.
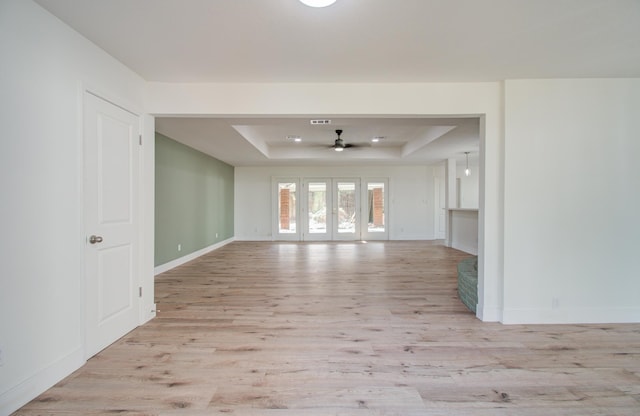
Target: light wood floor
[[344, 329]]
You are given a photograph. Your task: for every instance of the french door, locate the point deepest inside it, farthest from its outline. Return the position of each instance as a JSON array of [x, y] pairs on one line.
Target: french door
[[374, 210], [336, 209], [286, 209], [318, 210], [346, 209]]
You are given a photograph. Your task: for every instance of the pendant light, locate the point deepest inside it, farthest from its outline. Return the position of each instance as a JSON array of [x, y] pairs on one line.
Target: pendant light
[[467, 171], [318, 3]]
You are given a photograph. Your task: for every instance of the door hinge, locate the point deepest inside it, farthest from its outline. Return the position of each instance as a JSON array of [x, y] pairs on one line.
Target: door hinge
[[140, 292], [140, 139]]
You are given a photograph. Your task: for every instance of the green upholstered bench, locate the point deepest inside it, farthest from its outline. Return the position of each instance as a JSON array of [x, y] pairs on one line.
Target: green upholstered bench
[[468, 282]]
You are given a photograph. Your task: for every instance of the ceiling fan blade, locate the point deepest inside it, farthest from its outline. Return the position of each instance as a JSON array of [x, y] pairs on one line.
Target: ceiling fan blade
[[357, 145]]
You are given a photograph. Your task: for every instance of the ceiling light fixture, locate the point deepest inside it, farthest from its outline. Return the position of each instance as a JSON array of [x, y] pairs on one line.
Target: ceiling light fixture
[[376, 139], [467, 171], [318, 3]]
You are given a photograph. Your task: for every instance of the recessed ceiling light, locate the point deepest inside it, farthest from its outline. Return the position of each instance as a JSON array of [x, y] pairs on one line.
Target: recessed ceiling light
[[318, 3], [377, 139], [294, 138]]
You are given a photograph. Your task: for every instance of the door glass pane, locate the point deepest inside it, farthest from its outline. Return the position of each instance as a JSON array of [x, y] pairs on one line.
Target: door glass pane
[[317, 207], [346, 207], [376, 207], [287, 207]]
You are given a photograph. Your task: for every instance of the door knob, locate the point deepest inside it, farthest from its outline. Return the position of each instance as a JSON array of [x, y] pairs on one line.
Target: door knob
[[95, 239]]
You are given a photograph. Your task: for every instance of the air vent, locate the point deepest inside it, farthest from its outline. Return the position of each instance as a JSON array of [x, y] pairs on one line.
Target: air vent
[[320, 122]]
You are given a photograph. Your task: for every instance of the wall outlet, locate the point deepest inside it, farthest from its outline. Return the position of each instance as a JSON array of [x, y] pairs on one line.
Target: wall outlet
[[179, 247]]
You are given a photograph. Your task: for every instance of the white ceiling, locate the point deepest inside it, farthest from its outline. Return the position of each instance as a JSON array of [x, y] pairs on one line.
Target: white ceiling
[[354, 41]]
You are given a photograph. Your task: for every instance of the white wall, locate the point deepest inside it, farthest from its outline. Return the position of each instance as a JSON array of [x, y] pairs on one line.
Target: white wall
[[463, 230], [410, 190], [41, 280], [572, 182]]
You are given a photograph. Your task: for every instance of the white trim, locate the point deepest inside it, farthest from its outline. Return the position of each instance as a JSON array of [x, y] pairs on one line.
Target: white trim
[[571, 316], [488, 314], [147, 218], [192, 256], [464, 247], [21, 394], [116, 100]]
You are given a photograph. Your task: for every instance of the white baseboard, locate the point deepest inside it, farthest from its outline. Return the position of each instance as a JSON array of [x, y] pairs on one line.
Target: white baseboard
[[32, 387], [571, 316], [465, 248], [255, 238], [488, 314], [191, 256]]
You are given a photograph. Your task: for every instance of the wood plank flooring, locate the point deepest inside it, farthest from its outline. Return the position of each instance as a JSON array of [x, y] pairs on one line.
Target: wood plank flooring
[[282, 329]]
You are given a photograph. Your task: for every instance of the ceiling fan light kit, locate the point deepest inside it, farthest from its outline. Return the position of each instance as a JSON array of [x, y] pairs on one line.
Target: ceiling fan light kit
[[318, 3], [339, 144]]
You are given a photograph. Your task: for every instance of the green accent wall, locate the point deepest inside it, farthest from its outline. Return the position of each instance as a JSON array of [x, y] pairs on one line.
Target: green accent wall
[[194, 200]]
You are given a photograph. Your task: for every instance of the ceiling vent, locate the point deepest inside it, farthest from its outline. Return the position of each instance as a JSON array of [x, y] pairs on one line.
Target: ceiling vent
[[314, 122]]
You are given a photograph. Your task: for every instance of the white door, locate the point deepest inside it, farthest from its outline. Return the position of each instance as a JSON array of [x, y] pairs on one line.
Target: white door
[[286, 209], [110, 222], [374, 209], [346, 209], [317, 209]]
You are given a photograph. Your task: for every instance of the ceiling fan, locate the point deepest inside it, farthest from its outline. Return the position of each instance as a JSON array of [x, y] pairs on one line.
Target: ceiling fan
[[340, 145]]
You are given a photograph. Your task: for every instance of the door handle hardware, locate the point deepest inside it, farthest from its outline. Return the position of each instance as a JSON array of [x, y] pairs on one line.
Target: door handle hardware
[[95, 239]]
